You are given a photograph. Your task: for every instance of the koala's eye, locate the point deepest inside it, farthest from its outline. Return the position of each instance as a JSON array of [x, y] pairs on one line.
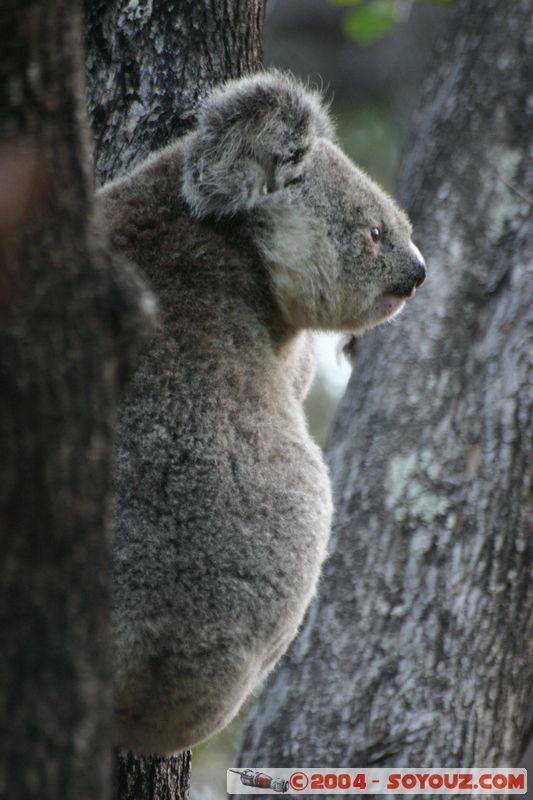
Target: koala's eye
[[296, 157], [375, 233]]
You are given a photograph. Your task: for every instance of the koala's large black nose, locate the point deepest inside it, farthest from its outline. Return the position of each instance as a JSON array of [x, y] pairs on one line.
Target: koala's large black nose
[[420, 271]]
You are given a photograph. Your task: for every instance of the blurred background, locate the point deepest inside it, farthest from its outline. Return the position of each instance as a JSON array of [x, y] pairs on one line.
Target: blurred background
[[369, 59]]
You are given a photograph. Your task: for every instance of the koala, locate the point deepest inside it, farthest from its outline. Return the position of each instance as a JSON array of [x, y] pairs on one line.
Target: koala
[[253, 230]]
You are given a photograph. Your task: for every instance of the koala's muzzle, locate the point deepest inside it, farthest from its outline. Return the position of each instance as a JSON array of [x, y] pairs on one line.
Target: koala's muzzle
[[419, 265], [415, 274]]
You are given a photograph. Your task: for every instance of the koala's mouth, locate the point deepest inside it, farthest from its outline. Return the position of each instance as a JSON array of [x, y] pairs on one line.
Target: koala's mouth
[[388, 305]]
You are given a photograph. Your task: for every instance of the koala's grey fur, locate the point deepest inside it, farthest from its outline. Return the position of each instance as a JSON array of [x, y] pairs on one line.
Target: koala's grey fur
[[252, 230]]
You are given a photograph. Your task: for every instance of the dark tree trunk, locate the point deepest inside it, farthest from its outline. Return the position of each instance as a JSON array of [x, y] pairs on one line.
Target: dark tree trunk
[[148, 63], [69, 322], [139, 778], [418, 650], [147, 66]]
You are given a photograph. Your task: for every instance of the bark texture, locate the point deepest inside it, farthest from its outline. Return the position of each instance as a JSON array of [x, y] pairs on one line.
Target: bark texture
[[418, 649], [150, 61], [151, 777], [69, 322], [148, 64]]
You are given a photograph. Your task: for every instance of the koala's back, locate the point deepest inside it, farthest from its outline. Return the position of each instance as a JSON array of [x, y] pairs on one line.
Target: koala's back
[[223, 505]]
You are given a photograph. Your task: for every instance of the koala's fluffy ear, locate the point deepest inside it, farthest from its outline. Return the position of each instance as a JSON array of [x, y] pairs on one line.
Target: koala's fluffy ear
[[247, 132]]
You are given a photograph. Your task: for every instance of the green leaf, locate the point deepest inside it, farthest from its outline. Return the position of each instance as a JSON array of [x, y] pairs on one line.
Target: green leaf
[[369, 23]]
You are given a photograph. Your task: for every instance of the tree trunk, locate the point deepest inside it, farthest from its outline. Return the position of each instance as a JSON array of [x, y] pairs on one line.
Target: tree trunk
[[148, 777], [149, 63], [69, 323], [147, 66], [418, 649]]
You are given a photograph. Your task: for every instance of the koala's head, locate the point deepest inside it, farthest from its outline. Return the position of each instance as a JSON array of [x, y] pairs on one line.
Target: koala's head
[[338, 249]]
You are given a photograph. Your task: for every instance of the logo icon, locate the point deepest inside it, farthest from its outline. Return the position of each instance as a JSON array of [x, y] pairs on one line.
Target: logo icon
[[261, 780]]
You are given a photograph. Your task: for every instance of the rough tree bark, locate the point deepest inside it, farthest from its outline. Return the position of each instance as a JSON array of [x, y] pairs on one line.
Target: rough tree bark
[[148, 63], [147, 66], [69, 325], [418, 649]]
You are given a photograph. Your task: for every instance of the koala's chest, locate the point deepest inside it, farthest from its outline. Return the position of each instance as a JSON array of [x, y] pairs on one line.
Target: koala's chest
[[277, 501]]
